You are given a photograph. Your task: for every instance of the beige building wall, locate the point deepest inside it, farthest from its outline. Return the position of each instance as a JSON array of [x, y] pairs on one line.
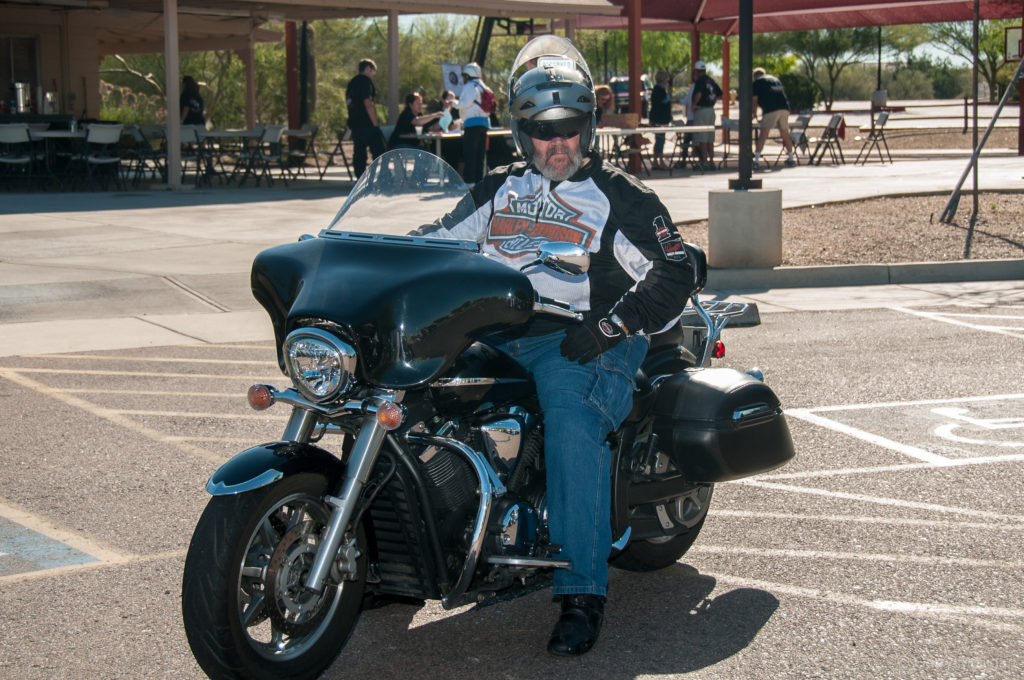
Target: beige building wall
[[68, 59]]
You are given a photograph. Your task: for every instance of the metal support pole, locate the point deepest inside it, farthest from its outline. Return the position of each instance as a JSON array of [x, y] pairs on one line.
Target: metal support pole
[[954, 199], [173, 79], [746, 39]]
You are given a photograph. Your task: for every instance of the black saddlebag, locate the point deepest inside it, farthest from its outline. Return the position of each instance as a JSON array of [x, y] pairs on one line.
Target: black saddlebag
[[718, 424]]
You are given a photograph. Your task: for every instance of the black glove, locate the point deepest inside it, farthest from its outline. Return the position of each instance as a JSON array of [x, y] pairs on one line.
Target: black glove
[[592, 337]]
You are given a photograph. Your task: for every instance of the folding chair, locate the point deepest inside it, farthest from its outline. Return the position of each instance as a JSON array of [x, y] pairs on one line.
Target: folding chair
[[876, 140], [193, 153], [344, 137], [797, 133], [829, 141], [682, 150], [729, 126], [17, 153], [102, 149], [259, 157], [144, 159], [303, 149], [625, 146]]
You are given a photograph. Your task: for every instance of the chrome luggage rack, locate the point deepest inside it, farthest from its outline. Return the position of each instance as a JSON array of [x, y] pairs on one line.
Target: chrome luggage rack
[[714, 315]]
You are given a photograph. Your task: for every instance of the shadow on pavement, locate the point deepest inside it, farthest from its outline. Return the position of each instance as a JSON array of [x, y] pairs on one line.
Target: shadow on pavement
[[659, 623], [42, 202]]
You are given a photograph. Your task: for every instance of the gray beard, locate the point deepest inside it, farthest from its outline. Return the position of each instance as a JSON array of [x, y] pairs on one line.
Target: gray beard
[[575, 163]]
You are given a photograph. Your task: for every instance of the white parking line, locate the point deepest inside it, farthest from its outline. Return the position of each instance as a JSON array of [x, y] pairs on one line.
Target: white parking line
[[15, 376], [972, 615], [983, 316], [960, 462], [932, 507], [281, 415], [44, 526], [91, 566], [927, 560], [951, 525], [917, 402], [912, 451], [148, 360], [937, 316], [135, 374]]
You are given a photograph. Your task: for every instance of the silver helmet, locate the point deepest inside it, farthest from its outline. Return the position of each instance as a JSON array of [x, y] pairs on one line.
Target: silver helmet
[[550, 86], [472, 69]]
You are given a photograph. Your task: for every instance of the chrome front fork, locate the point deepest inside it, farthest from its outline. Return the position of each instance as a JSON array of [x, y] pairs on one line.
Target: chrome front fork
[[361, 460]]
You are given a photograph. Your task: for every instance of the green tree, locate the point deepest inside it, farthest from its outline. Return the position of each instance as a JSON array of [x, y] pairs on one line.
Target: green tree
[[957, 39], [825, 54]]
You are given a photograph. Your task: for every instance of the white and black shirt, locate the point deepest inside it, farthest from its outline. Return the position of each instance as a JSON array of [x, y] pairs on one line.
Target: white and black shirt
[[639, 268]]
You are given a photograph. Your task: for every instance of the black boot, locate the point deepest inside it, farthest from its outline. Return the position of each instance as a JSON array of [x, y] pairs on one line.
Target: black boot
[[578, 627]]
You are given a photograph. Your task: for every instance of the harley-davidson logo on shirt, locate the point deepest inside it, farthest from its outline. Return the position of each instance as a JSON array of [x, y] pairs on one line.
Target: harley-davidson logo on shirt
[[528, 221]]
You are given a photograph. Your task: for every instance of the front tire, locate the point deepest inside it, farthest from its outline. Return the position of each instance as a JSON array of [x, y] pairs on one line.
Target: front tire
[[244, 607]]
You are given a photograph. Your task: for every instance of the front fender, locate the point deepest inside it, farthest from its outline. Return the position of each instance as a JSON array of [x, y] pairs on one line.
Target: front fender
[[262, 465]]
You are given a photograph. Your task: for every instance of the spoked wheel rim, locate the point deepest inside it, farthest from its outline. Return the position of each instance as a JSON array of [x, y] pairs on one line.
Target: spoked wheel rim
[[279, 617]]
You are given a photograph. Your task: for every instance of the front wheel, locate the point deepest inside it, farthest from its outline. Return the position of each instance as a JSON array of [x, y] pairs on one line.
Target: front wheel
[[652, 554], [246, 611]]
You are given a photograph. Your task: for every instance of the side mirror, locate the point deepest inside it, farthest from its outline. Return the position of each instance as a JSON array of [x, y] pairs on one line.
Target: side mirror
[[566, 258]]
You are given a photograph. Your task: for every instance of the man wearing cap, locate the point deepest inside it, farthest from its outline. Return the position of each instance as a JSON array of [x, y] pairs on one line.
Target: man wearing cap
[[475, 123], [639, 279], [706, 94], [769, 94]]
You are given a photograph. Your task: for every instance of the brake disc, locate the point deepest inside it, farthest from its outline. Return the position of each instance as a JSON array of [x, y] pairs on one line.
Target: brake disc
[[292, 608]]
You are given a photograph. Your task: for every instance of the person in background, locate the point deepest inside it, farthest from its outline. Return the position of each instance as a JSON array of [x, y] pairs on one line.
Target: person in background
[[661, 114], [448, 114], [769, 94], [362, 116], [706, 93], [605, 102], [475, 123], [411, 116], [191, 102], [451, 147], [687, 103]]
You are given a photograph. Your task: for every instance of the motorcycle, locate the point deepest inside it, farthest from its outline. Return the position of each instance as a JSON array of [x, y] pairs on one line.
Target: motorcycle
[[433, 486]]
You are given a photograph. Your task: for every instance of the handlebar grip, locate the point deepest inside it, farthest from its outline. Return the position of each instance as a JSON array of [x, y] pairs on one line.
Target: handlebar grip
[[563, 310]]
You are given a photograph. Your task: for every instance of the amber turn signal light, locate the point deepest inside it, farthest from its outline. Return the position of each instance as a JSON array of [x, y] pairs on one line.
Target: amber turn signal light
[[260, 397], [390, 415]]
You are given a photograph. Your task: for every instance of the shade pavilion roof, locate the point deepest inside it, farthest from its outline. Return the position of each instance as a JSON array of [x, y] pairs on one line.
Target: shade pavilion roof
[[722, 16], [297, 10]]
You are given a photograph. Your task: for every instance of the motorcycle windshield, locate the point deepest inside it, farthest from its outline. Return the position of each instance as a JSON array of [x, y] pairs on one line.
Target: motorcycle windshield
[[399, 191], [410, 305]]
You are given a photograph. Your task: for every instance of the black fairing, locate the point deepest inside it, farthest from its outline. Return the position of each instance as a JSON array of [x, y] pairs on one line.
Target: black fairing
[[482, 376], [411, 305]]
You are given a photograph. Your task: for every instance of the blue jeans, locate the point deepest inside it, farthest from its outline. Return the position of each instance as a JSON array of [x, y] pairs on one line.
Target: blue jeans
[[581, 405]]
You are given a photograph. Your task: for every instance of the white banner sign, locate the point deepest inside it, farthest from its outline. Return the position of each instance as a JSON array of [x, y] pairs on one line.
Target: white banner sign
[[451, 74]]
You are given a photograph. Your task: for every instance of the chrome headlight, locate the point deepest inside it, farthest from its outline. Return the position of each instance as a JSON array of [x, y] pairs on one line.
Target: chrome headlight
[[320, 365]]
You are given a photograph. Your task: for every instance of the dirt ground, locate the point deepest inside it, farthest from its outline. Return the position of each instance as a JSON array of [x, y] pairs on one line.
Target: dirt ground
[[905, 229]]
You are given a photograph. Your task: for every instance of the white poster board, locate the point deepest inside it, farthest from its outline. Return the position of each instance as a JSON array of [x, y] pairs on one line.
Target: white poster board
[[451, 75], [1012, 49]]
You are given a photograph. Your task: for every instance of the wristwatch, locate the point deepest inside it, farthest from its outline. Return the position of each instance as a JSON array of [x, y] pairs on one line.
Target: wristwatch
[[614, 318]]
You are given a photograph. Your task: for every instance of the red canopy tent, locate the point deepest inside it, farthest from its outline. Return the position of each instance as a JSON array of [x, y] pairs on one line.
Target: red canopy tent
[[721, 17]]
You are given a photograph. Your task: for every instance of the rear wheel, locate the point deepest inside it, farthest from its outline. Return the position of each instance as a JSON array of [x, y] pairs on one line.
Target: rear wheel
[[246, 611], [689, 511]]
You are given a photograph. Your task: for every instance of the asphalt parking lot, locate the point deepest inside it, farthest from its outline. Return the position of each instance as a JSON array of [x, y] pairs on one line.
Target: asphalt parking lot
[[890, 548]]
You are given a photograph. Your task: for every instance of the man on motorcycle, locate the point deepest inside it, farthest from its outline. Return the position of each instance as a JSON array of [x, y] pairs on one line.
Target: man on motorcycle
[[638, 283]]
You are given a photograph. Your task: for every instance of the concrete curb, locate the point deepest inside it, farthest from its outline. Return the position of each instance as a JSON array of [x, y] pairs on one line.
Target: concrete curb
[[865, 274]]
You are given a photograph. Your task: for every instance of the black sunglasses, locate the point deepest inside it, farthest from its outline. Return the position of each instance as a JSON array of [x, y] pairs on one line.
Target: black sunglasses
[[549, 129]]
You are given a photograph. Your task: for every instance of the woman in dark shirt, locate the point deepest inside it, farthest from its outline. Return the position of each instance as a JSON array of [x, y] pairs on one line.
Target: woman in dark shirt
[[410, 117], [191, 102]]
